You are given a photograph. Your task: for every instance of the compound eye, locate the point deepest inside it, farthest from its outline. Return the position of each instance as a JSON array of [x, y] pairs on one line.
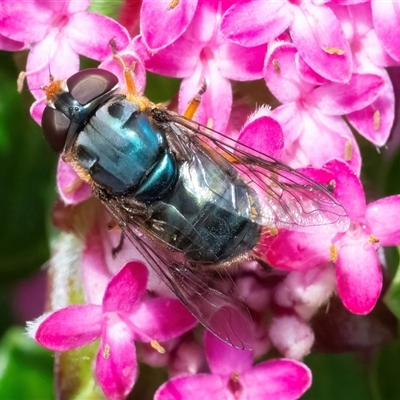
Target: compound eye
[[55, 128], [88, 84]]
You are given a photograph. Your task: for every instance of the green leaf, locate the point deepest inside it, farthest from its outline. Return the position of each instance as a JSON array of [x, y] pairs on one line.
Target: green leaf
[[26, 369], [386, 369], [106, 7], [392, 296], [27, 174], [337, 376], [160, 88]]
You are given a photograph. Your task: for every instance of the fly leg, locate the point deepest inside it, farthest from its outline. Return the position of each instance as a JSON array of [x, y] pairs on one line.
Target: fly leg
[[132, 93], [194, 104], [115, 250], [112, 226]]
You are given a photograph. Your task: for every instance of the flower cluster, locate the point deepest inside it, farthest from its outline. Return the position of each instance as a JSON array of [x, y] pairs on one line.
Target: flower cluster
[[324, 63]]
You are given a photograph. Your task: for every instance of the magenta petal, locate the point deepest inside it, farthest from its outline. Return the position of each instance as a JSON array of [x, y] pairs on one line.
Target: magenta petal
[[277, 379], [116, 365], [126, 287], [281, 74], [251, 23], [89, 34], [27, 21], [383, 218], [216, 103], [37, 109], [9, 44], [240, 63], [161, 319], [131, 58], [358, 275], [196, 387], [343, 98], [70, 327], [71, 188], [375, 121], [160, 25], [53, 55], [297, 251], [329, 134], [307, 74], [263, 134], [291, 123], [348, 188], [224, 359], [316, 32], [76, 6], [178, 60], [386, 18], [95, 275]]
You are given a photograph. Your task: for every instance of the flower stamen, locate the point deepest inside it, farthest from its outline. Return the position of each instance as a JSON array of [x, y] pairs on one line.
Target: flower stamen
[[157, 346]]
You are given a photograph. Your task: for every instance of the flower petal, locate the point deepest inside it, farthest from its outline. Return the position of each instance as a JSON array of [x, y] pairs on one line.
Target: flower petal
[[277, 379], [251, 23], [95, 275], [240, 63], [386, 18], [321, 138], [178, 60], [375, 121], [116, 365], [161, 25], [281, 74], [348, 188], [292, 336], [53, 54], [343, 98], [297, 251], [216, 102], [70, 327], [126, 287], [9, 44], [306, 291], [264, 135], [71, 188], [90, 34], [224, 359], [27, 21], [161, 319], [320, 40], [196, 387], [358, 275], [382, 217]]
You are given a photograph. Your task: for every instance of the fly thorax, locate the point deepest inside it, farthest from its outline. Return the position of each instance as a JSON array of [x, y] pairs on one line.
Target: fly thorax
[[123, 151]]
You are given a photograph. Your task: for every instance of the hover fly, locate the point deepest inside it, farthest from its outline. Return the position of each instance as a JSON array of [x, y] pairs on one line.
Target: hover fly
[[189, 198]]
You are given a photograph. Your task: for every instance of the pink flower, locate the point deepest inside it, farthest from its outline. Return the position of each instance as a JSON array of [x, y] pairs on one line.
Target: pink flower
[[314, 29], [234, 377], [358, 269], [57, 32], [199, 53], [310, 116], [172, 22], [123, 317], [9, 44], [386, 19], [375, 120]]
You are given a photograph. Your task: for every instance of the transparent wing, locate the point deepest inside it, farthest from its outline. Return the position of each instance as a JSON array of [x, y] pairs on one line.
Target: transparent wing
[[216, 308], [286, 198]]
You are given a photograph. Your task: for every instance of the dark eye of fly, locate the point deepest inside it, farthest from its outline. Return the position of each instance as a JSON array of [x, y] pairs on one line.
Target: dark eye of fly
[[84, 88], [88, 84]]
